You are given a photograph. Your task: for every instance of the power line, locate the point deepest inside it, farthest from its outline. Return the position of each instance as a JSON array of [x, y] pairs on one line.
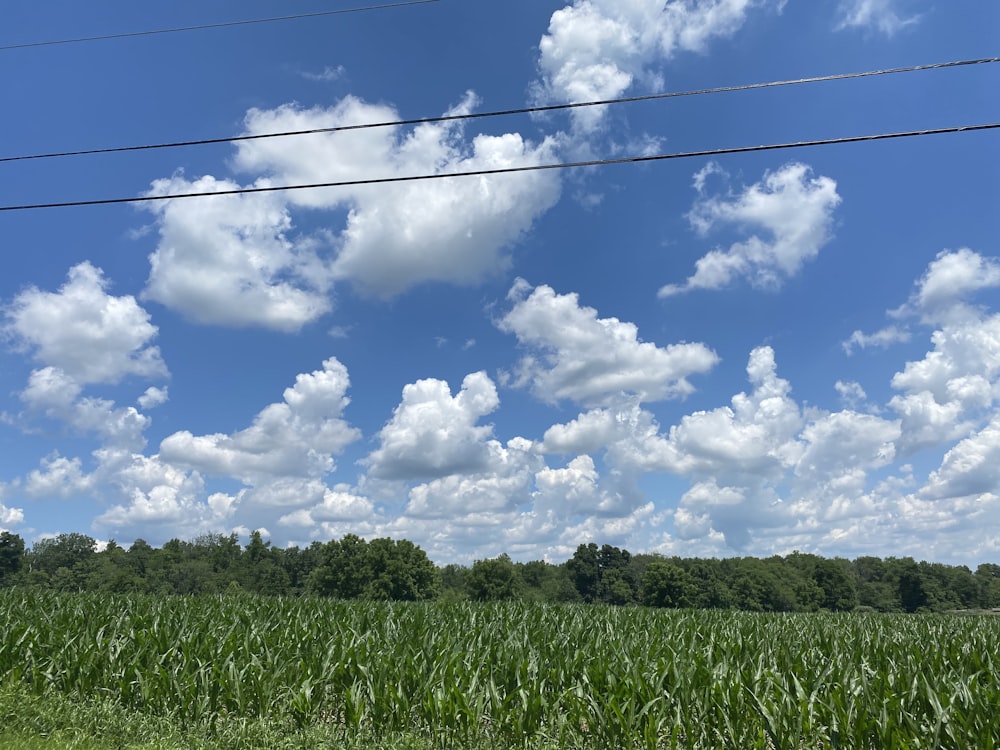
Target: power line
[[510, 170], [223, 24], [505, 112]]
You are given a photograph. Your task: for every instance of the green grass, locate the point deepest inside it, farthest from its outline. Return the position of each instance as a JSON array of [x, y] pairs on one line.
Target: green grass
[[248, 673], [57, 722]]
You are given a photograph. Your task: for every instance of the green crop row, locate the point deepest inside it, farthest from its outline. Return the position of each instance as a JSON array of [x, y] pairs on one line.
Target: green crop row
[[519, 674]]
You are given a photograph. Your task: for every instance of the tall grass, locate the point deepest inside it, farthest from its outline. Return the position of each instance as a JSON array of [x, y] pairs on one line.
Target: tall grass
[[519, 674]]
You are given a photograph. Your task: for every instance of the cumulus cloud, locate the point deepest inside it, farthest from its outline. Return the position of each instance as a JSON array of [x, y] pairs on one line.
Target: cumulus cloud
[[581, 357], [879, 15], [162, 500], [972, 467], [88, 334], [950, 279], [755, 434], [434, 434], [296, 437], [943, 396], [58, 477], [338, 504], [52, 392], [792, 207], [153, 397], [597, 49], [763, 466], [397, 235], [229, 259], [845, 442], [9, 517], [575, 490], [504, 484]]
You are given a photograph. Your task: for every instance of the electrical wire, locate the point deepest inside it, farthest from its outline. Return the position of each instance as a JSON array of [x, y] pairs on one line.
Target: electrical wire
[[511, 170], [505, 112], [223, 24]]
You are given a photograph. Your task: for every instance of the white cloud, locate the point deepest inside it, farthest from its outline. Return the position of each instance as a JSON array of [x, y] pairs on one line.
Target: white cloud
[[843, 442], [880, 15], [794, 209], [58, 477], [90, 335], [761, 468], [620, 530], [432, 434], [945, 393], [9, 517], [153, 397], [883, 339], [951, 278], [756, 434], [574, 491], [228, 259], [851, 393], [628, 434], [50, 389], [397, 235], [162, 500], [972, 467], [296, 437], [592, 360], [504, 484], [597, 49], [337, 505], [283, 492], [329, 74], [51, 392]]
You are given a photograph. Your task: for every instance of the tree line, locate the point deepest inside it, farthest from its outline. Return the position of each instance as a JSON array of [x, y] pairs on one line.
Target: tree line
[[353, 568]]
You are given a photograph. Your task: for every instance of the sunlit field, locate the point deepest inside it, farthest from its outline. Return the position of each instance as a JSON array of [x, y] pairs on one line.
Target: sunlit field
[[509, 675]]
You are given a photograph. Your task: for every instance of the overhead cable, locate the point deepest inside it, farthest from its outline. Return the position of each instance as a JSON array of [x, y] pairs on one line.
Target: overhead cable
[[504, 112], [148, 198], [220, 25]]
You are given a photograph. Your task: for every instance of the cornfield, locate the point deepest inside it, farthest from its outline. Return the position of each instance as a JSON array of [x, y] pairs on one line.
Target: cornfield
[[520, 675]]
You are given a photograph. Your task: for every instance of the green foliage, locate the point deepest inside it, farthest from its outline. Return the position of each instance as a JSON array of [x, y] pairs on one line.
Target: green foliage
[[665, 584], [505, 674], [11, 556], [493, 580], [352, 568], [385, 569], [603, 575]]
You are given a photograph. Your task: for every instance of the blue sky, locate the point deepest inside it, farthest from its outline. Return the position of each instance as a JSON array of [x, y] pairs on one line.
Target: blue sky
[[743, 355]]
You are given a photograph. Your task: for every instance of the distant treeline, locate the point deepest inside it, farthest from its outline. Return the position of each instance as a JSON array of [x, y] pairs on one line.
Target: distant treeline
[[353, 568]]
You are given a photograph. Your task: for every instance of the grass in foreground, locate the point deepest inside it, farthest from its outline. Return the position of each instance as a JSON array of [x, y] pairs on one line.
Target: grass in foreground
[[247, 673], [56, 722]]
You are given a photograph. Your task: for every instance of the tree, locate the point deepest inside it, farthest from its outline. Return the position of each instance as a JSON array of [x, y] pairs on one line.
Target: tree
[[64, 560], [343, 571], [833, 578], [585, 571], [665, 584], [11, 556], [988, 579], [603, 574], [400, 571], [493, 580], [912, 593], [383, 569]]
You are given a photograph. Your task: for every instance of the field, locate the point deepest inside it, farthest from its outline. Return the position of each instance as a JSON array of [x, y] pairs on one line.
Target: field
[[246, 670]]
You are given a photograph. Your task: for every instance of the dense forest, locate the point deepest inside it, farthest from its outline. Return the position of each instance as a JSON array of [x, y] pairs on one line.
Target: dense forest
[[353, 568]]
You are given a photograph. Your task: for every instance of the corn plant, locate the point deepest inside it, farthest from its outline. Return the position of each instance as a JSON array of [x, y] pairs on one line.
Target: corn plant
[[520, 675]]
